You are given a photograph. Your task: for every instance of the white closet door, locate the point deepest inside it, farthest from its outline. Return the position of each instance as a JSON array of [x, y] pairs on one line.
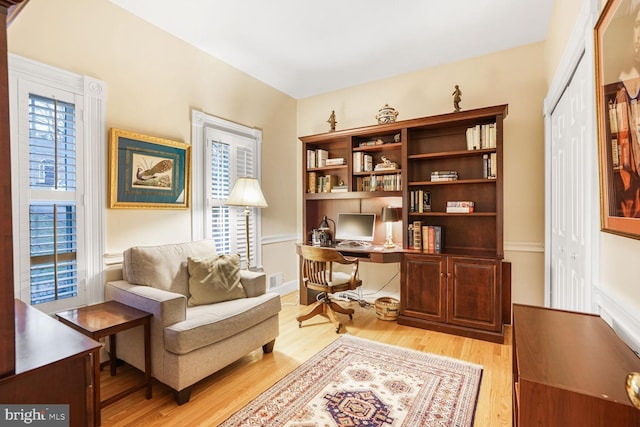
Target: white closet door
[[570, 212]]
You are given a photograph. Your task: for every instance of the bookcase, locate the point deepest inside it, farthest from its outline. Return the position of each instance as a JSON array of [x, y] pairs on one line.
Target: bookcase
[[445, 171]]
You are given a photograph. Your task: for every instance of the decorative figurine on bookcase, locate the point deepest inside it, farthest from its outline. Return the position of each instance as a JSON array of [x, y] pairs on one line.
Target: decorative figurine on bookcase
[[386, 115], [332, 121], [457, 98]]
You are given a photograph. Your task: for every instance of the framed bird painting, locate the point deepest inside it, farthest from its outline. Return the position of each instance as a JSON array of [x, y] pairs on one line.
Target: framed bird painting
[[146, 172]]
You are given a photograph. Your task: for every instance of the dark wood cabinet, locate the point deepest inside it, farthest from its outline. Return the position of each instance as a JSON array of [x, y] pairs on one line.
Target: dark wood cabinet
[[452, 294], [48, 372], [569, 369]]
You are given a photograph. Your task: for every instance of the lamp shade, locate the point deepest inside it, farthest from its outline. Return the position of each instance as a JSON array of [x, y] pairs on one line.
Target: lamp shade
[[389, 214], [246, 192]]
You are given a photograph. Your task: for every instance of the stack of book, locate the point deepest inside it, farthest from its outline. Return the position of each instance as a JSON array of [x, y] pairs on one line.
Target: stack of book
[[362, 162], [427, 238], [317, 158], [335, 161], [438, 176], [432, 239], [481, 137], [460, 206], [379, 183], [419, 201], [489, 166], [321, 184]]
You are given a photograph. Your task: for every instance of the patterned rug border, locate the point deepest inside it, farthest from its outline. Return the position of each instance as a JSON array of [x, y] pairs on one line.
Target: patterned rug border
[[261, 401]]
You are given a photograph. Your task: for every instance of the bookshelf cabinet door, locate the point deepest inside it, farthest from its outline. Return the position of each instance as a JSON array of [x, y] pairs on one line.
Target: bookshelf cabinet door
[[424, 287], [475, 293]]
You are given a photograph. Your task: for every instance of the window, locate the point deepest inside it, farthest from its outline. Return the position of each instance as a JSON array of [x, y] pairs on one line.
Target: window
[[52, 208], [231, 151], [58, 231]]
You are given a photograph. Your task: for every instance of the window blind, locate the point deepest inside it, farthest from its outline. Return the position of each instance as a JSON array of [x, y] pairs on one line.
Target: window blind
[[52, 210]]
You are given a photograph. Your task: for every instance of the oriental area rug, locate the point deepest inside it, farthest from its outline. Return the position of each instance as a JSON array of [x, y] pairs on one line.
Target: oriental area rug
[[360, 383]]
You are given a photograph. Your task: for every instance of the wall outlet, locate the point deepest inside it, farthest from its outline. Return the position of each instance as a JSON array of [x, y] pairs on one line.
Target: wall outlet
[[275, 280]]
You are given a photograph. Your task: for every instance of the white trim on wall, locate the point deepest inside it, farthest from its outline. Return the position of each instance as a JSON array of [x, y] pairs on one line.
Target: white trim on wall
[[523, 247], [93, 119]]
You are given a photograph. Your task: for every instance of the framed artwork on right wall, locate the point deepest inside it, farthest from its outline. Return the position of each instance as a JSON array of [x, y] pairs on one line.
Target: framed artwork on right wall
[[617, 41]]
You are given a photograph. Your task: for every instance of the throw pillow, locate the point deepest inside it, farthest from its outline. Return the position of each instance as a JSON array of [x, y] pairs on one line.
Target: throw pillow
[[214, 279]]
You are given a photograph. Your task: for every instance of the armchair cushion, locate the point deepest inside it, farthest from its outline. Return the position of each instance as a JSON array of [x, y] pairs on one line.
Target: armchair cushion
[[208, 324], [214, 279], [162, 267]]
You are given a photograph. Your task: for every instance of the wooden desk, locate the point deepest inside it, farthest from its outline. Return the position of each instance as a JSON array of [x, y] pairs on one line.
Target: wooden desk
[[107, 319], [53, 366], [374, 253], [569, 369]]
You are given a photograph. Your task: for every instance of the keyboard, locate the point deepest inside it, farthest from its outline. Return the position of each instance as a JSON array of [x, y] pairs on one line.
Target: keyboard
[[354, 244]]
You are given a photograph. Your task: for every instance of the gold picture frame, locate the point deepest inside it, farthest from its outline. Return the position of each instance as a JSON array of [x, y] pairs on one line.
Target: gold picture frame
[[147, 172], [618, 116]]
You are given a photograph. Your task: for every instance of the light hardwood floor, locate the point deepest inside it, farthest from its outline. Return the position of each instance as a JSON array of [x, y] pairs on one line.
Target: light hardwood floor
[[217, 397]]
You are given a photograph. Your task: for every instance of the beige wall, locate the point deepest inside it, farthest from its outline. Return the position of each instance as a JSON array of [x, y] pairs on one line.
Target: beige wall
[[153, 82], [514, 77]]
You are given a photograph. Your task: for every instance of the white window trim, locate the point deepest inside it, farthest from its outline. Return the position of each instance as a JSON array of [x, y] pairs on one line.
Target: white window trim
[[199, 123], [92, 118]]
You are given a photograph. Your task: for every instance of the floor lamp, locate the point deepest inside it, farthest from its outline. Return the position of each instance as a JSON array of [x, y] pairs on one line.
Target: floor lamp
[[246, 192]]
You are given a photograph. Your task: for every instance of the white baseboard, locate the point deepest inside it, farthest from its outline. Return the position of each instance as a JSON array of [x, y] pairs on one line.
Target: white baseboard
[[619, 316], [285, 288]]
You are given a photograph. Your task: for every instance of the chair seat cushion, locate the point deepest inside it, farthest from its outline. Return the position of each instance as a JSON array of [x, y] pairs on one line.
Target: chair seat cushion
[[208, 324], [339, 278]]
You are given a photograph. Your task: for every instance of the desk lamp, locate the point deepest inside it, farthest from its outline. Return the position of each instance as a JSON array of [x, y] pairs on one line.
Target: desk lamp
[[325, 236], [389, 216], [246, 192]]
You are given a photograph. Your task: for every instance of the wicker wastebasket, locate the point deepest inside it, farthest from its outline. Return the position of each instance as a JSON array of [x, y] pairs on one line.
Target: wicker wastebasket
[[387, 308]]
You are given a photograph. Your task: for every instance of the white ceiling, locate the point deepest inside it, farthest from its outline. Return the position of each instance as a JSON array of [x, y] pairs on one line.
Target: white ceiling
[[305, 48]]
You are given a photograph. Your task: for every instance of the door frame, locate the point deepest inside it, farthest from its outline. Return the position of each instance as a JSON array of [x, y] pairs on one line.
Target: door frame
[[579, 47]]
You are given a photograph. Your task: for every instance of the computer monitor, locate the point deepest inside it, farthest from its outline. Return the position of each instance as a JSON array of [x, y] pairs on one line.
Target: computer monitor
[[356, 227]]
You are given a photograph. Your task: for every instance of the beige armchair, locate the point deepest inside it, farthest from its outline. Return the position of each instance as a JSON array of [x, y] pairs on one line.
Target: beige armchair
[[190, 342]]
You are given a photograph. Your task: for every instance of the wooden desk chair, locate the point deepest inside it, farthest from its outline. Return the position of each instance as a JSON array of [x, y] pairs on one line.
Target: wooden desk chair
[[318, 275]]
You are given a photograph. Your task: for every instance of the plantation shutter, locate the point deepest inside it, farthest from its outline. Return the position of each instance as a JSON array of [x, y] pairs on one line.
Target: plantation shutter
[[229, 157], [53, 220]]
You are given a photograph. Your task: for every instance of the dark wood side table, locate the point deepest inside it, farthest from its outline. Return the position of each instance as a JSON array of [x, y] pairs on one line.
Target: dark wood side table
[[569, 369], [107, 319]]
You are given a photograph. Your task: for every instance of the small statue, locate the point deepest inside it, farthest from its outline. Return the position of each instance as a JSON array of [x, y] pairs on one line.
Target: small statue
[[457, 97], [332, 120]]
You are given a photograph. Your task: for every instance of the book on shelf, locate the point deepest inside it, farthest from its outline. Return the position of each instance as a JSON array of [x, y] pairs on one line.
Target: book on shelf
[[439, 176], [340, 188], [417, 235], [615, 153], [321, 157], [362, 162], [613, 117], [392, 182], [489, 166], [311, 159], [410, 236], [460, 206], [481, 136], [326, 183], [432, 239], [419, 201], [312, 184], [493, 165], [335, 161]]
